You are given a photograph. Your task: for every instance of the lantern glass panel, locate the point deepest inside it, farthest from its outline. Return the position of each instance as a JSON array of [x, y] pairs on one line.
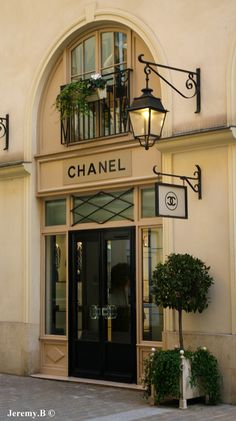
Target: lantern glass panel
[[156, 122], [139, 120]]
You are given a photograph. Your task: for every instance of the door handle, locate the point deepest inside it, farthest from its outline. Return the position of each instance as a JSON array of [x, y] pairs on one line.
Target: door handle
[[105, 312], [109, 312], [94, 312]]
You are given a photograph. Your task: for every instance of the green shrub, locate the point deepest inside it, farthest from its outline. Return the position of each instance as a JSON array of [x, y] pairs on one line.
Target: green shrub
[[162, 370], [182, 283], [205, 374]]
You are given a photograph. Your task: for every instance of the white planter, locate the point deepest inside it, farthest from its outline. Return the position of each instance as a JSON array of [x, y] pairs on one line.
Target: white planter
[[186, 390], [98, 95]]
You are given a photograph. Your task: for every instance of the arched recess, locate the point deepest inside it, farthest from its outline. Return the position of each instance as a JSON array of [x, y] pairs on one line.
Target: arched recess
[[91, 18]]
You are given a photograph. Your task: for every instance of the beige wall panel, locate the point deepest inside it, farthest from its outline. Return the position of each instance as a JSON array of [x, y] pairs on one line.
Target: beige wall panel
[[50, 136], [12, 262], [54, 359], [205, 234], [19, 348]]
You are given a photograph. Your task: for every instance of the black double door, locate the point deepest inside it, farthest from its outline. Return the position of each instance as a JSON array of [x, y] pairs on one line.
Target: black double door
[[102, 305]]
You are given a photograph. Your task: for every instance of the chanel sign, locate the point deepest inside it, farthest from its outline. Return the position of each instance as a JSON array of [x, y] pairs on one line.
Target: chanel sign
[[97, 167], [171, 201]]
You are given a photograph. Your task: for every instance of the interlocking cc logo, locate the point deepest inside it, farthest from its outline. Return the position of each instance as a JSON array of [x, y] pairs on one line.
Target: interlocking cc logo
[[171, 200]]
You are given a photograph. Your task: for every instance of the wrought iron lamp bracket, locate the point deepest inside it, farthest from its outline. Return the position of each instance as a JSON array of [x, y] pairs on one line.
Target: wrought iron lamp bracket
[[196, 187], [4, 130], [193, 82]]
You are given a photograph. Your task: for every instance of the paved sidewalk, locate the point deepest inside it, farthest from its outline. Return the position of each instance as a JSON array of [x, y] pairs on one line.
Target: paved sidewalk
[[26, 398]]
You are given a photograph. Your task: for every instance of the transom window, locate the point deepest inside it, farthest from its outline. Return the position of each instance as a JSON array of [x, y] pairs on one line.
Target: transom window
[[103, 207]]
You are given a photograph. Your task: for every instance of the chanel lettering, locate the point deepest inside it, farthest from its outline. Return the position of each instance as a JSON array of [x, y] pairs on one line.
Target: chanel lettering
[[100, 167]]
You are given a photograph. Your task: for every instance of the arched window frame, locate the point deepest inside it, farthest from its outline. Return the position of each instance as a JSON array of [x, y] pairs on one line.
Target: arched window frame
[[98, 48]]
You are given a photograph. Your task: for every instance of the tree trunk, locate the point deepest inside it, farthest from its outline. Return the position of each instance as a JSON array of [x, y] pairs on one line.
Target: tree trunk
[[181, 341]]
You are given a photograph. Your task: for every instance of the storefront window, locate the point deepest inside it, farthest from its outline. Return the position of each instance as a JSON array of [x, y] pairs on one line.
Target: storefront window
[[151, 256], [55, 288], [55, 212], [148, 202]]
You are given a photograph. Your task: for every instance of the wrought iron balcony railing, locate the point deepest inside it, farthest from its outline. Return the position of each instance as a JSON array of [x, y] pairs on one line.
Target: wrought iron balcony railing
[[106, 117]]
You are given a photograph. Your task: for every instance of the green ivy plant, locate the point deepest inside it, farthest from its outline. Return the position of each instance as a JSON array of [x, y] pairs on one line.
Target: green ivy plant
[[205, 374], [182, 283], [73, 96], [162, 370]]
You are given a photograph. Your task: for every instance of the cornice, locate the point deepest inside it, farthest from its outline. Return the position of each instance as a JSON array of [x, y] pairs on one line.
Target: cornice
[[14, 169], [206, 139]]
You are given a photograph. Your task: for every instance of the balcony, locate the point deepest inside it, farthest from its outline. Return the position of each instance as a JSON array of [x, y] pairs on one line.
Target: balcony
[[106, 117]]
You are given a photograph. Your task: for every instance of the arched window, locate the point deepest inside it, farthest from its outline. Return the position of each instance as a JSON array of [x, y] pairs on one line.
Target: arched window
[[103, 52]]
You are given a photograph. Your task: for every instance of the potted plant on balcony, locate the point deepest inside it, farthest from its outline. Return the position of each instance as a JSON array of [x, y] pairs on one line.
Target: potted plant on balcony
[[75, 96], [182, 283]]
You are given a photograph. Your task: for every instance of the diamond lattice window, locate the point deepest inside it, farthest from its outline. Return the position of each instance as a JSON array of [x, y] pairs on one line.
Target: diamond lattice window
[[103, 207]]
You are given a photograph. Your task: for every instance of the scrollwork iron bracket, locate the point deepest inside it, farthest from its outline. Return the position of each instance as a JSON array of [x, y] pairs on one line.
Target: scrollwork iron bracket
[[196, 187], [193, 82], [4, 130]]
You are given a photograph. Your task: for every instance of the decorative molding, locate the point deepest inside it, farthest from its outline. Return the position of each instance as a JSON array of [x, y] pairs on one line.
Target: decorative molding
[[200, 140], [232, 230], [14, 169], [55, 354]]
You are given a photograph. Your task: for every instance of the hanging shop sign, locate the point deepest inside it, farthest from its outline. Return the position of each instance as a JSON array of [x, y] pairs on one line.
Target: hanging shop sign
[[97, 167], [171, 201]]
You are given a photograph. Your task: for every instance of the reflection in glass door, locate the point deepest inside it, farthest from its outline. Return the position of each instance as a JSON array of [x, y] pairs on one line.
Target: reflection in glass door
[[102, 304]]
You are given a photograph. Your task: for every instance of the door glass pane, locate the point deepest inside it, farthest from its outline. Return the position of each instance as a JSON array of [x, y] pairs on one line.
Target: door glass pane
[[120, 47], [89, 56], [55, 288], [88, 309], [151, 255], [107, 50], [118, 290], [77, 61], [55, 212]]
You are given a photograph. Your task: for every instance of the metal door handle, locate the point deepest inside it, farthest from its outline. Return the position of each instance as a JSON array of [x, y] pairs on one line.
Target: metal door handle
[[109, 312], [94, 312]]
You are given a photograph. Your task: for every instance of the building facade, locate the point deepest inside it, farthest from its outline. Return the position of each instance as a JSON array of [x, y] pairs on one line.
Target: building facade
[[80, 236]]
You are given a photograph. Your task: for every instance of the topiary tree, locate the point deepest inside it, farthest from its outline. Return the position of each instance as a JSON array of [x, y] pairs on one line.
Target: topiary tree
[[182, 283]]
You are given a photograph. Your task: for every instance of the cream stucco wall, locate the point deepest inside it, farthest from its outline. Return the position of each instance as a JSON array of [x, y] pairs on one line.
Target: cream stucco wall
[[33, 37], [177, 34], [206, 232]]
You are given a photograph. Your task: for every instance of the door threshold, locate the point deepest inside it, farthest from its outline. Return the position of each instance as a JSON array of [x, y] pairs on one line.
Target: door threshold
[[96, 382]]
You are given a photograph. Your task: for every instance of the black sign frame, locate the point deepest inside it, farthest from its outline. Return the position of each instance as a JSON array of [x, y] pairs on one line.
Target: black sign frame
[[172, 201]]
